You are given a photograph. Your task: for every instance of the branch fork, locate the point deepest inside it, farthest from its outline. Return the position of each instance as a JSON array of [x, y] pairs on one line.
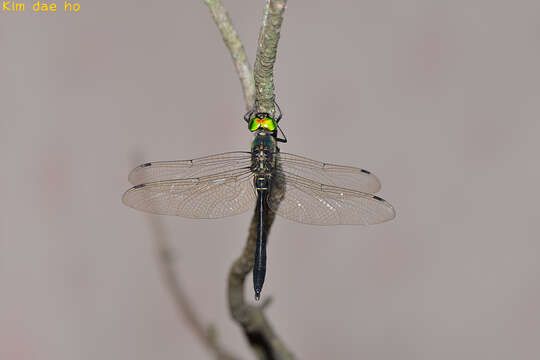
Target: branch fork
[[258, 89]]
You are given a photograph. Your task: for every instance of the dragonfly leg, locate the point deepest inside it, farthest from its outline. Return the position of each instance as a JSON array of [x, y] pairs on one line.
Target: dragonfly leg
[[279, 115], [248, 115]]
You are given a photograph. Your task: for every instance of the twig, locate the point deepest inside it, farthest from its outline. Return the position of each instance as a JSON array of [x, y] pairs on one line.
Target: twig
[[207, 335], [231, 39], [257, 329], [266, 55]]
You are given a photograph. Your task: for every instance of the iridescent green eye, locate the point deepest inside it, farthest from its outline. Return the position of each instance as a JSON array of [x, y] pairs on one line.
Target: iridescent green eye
[[268, 124], [254, 124]]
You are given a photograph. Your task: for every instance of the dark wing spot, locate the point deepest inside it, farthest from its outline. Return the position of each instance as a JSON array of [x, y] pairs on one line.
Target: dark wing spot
[[378, 198], [138, 186], [146, 165], [365, 171]]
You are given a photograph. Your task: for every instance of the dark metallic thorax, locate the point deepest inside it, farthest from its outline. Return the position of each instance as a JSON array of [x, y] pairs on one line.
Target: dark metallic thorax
[[263, 159]]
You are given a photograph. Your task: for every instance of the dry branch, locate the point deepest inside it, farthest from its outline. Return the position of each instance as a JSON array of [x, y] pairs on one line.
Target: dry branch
[[258, 91], [257, 329]]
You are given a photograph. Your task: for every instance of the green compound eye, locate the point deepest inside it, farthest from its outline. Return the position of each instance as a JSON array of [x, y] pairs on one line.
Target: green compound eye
[[254, 124], [269, 124], [266, 123]]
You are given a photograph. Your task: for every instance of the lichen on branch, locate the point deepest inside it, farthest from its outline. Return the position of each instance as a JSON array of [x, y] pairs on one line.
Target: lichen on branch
[[266, 55]]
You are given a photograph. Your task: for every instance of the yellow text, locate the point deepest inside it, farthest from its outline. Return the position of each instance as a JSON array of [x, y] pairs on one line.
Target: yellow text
[[71, 7], [44, 7], [11, 6]]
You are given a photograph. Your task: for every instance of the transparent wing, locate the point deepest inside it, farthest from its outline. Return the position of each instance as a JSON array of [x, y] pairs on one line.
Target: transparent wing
[[338, 175], [183, 169], [225, 194], [309, 202]]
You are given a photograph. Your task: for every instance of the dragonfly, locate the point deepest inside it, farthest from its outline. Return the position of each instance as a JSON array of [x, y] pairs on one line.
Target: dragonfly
[[292, 186]]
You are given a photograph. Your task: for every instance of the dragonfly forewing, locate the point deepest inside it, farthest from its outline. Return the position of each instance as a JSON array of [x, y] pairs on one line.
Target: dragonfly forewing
[[184, 169], [331, 174]]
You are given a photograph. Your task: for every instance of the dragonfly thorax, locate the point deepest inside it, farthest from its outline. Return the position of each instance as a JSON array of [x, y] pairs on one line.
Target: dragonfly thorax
[[265, 138], [263, 149]]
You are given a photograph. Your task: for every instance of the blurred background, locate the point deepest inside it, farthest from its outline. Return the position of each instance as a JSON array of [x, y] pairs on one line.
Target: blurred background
[[439, 99]]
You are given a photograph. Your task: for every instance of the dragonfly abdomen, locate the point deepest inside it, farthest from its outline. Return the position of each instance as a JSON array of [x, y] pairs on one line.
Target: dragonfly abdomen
[[259, 264]]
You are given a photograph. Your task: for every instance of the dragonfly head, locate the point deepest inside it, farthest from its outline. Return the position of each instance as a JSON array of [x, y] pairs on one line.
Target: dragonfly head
[[265, 124], [262, 121]]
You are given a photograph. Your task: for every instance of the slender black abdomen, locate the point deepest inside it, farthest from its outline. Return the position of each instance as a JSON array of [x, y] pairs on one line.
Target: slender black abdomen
[[259, 266]]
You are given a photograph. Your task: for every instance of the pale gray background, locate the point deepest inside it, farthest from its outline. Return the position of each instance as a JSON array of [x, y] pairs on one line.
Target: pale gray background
[[440, 99]]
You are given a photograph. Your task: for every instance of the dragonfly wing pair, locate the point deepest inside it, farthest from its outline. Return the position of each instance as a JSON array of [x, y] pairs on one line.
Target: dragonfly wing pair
[[222, 185]]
